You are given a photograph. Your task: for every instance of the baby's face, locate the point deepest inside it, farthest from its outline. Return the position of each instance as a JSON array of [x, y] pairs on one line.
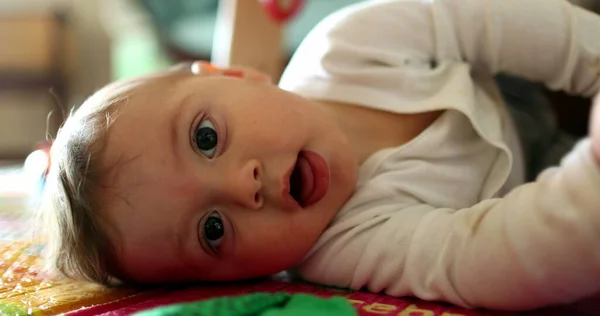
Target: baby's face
[[219, 178]]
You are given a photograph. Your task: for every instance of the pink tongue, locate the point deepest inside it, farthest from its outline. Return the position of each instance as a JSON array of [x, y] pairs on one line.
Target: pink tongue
[[307, 179]]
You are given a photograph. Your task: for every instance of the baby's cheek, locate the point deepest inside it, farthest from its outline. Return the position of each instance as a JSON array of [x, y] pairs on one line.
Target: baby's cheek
[[184, 189], [278, 246]]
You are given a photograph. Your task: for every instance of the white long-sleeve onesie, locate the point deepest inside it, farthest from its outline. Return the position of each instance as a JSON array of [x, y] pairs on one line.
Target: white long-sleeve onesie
[[405, 231]]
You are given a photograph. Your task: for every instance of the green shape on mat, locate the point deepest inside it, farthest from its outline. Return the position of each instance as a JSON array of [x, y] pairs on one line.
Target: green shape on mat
[[260, 304], [6, 309]]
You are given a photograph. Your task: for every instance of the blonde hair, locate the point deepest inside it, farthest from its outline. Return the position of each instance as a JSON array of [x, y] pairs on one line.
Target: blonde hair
[[76, 246]]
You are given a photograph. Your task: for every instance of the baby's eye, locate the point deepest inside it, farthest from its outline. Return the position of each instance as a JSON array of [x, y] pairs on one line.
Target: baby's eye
[[213, 230], [206, 138]]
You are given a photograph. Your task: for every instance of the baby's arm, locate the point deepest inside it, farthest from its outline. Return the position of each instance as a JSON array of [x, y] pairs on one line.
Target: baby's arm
[[537, 246], [550, 41], [389, 49]]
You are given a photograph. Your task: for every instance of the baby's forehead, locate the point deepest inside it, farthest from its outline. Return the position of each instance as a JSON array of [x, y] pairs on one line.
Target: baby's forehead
[[140, 130]]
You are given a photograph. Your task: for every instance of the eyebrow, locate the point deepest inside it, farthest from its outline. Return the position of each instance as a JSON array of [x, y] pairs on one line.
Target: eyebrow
[[174, 133], [181, 245], [183, 233], [183, 230]]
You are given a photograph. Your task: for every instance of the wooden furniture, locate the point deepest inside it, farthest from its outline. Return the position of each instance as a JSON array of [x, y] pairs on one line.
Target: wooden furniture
[[33, 55]]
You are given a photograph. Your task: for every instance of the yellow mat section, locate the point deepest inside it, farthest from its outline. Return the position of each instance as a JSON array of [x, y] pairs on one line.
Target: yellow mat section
[[24, 290]]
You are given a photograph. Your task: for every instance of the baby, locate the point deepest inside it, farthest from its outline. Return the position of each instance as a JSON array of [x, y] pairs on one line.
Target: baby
[[390, 158]]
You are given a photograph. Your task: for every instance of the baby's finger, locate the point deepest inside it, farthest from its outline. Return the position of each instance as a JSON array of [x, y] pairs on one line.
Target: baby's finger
[[249, 73], [203, 68], [595, 128], [595, 117]]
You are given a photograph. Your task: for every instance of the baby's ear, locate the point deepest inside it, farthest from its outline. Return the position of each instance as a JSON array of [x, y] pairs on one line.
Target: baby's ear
[[247, 73]]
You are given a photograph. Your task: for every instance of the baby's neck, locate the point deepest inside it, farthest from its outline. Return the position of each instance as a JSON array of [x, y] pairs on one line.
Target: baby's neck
[[370, 130]]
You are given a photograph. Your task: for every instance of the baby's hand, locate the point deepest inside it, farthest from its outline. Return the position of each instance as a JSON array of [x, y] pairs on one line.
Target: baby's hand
[[595, 128]]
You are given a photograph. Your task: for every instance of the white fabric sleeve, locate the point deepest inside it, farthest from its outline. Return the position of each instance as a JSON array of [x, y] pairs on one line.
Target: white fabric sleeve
[[551, 41], [538, 245], [401, 48]]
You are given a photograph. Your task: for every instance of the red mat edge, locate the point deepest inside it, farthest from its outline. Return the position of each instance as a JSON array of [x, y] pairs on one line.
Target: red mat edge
[[118, 304]]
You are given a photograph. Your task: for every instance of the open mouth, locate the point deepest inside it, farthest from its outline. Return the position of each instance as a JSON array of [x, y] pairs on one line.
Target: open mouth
[[309, 180], [301, 181]]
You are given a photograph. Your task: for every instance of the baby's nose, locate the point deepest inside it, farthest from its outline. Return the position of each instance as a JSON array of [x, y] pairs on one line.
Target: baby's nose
[[246, 187]]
